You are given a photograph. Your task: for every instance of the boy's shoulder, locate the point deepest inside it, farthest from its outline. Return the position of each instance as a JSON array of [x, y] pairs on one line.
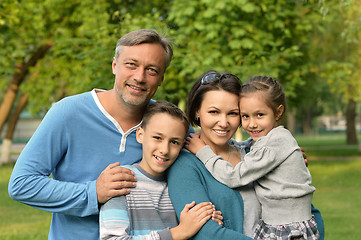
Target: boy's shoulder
[[136, 169], [141, 174]]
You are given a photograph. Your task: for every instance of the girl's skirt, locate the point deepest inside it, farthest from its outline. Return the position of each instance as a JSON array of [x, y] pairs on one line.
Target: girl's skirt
[[306, 230]]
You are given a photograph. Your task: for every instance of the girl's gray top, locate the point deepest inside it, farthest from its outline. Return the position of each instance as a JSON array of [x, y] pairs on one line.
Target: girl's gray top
[[276, 164], [252, 207]]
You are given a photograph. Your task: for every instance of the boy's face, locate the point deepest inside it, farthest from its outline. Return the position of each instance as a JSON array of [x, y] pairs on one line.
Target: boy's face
[[162, 140]]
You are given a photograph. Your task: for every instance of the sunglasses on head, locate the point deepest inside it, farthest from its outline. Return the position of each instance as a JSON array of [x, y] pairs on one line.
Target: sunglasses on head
[[213, 77]]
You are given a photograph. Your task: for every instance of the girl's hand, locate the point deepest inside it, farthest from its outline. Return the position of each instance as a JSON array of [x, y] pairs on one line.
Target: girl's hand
[[192, 218], [194, 143]]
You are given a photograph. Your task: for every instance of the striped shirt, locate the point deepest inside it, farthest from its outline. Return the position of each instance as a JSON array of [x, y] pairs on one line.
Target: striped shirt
[[146, 213]]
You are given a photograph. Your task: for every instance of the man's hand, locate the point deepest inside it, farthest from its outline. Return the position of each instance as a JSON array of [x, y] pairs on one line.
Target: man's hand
[[114, 181]]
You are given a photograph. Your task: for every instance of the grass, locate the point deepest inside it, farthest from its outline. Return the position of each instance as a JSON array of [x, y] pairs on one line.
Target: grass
[[338, 196], [17, 220], [338, 184], [328, 145]]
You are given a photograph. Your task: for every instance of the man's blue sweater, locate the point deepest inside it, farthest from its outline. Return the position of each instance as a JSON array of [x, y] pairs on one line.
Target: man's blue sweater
[[74, 143]]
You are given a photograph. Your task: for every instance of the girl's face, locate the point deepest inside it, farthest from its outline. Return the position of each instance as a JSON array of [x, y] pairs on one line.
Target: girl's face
[[258, 119], [219, 117]]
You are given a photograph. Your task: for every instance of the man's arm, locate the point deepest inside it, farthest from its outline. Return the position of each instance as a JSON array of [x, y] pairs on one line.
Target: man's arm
[[30, 182]]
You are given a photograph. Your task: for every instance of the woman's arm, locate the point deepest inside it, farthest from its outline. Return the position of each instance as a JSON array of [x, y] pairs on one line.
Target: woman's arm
[[189, 180], [319, 221]]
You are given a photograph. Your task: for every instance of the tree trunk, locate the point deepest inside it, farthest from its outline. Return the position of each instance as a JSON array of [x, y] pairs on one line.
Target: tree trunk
[[5, 152], [291, 120], [6, 148], [351, 134], [307, 122], [20, 73]]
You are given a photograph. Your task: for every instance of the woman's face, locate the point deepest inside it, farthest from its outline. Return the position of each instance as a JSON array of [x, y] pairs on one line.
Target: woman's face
[[219, 117]]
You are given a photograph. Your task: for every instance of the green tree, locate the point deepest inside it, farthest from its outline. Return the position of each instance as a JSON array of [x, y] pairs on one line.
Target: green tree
[[343, 51], [63, 44]]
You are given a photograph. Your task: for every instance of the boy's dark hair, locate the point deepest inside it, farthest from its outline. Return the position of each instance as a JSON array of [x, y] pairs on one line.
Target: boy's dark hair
[[167, 108]]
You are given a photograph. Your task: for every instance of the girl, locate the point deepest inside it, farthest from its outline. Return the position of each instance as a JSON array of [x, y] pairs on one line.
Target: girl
[[275, 162]]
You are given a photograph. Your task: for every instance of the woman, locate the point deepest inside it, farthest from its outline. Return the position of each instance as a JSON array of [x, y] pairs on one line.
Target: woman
[[213, 105]]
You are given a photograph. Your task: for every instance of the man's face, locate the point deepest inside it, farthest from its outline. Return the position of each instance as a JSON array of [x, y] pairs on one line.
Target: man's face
[[139, 70]]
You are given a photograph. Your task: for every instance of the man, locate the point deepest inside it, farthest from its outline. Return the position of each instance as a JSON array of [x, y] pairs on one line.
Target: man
[[83, 134]]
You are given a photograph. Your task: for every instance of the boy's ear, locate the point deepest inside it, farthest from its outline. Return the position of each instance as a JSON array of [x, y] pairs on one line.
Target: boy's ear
[[139, 135], [279, 111]]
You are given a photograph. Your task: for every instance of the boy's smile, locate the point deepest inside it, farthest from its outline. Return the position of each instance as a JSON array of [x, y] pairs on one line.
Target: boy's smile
[[162, 139]]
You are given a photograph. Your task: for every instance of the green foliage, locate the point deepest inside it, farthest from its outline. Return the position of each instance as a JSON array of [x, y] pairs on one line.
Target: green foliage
[[342, 49], [79, 33], [242, 37], [293, 41]]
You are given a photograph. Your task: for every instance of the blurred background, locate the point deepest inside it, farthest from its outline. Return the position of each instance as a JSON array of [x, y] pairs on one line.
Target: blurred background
[[51, 49]]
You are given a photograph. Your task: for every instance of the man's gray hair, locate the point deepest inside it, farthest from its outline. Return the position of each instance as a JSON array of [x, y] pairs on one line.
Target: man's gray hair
[[140, 36]]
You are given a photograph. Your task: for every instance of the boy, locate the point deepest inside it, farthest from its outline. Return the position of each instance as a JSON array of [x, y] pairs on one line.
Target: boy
[[147, 212]]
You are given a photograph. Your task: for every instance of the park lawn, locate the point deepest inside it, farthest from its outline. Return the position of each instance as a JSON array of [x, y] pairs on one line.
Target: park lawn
[[328, 145], [338, 197], [17, 220], [337, 182]]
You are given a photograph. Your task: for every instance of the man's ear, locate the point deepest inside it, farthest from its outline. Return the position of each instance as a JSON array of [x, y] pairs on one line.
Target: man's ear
[[114, 64], [139, 135], [279, 111]]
